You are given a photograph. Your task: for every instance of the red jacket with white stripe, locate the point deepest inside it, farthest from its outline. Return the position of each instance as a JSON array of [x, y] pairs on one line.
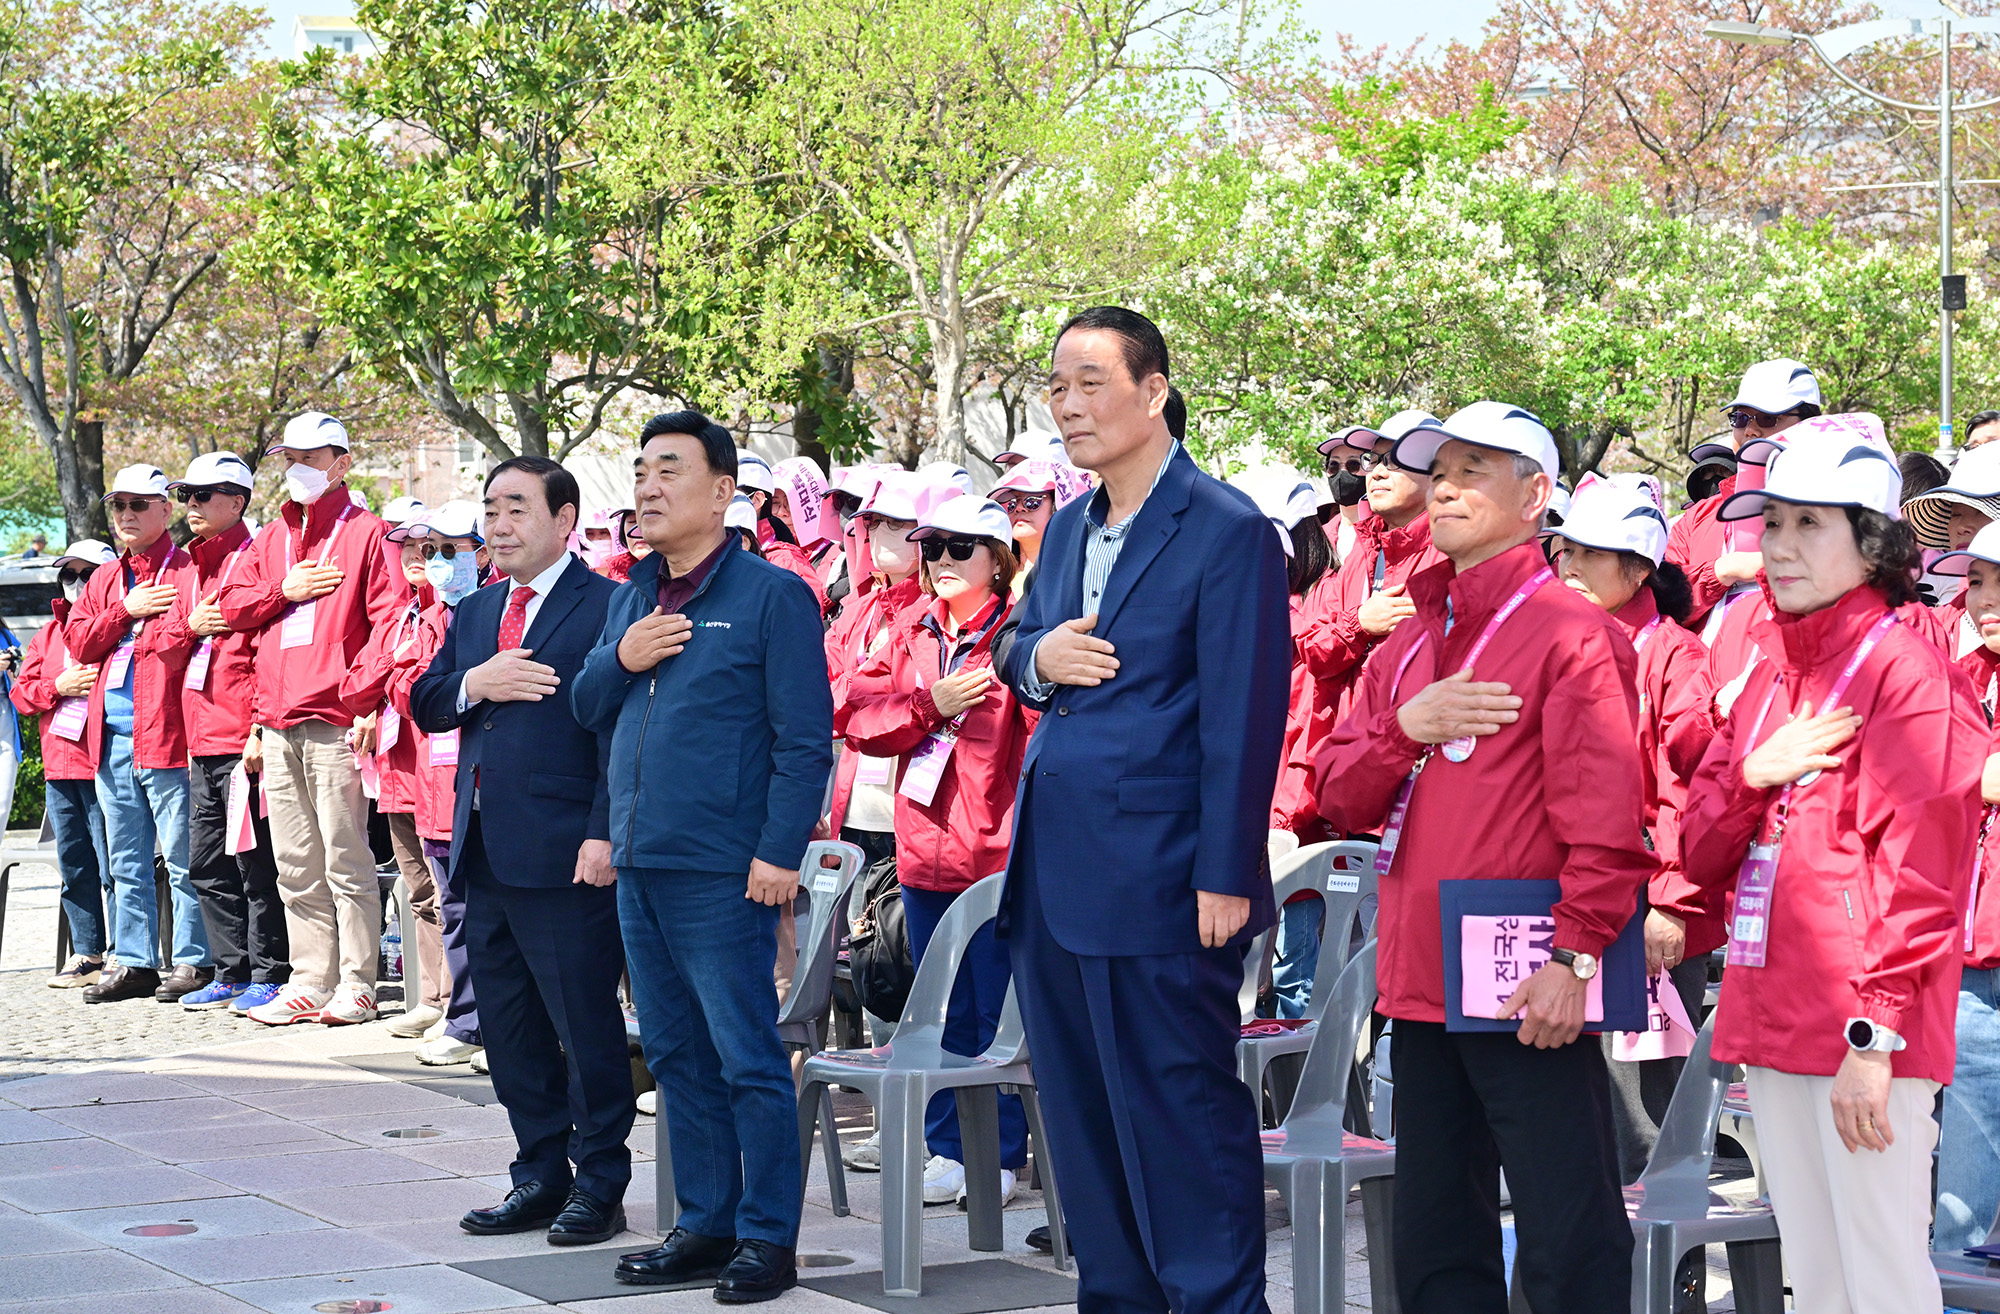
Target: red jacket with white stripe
[[1873, 867], [1982, 942], [34, 693], [99, 623], [1695, 541], [365, 691], [218, 713], [434, 789], [847, 645]]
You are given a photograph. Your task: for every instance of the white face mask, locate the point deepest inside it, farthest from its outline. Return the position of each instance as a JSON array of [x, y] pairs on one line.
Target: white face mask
[[72, 587], [305, 484], [453, 579], [895, 555]]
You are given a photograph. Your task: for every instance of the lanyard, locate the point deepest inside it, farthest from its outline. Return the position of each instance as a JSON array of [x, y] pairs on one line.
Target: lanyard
[[1645, 635], [1867, 645], [292, 549], [1392, 833], [955, 650]]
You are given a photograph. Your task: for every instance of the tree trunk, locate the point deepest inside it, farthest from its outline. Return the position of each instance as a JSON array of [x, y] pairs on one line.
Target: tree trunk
[[826, 373], [531, 426], [80, 481], [948, 354]]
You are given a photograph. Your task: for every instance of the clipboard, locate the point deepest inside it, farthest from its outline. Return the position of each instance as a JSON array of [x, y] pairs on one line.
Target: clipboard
[[1623, 969]]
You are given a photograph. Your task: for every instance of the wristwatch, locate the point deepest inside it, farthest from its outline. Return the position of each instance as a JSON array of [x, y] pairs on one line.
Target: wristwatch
[[1584, 965], [1864, 1036]]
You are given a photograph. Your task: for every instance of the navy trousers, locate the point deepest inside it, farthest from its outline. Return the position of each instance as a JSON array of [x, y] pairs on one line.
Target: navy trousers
[[1154, 1138], [548, 963], [461, 1010]]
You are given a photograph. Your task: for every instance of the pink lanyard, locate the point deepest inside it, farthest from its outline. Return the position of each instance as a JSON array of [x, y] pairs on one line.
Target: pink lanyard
[[1639, 644], [292, 549], [1392, 833], [1833, 696]]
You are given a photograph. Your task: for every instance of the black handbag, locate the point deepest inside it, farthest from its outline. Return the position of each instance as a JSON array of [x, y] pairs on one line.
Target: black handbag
[[879, 948]]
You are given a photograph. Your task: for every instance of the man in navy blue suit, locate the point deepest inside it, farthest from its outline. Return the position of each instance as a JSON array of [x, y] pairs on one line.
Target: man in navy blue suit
[[531, 849], [1157, 645]]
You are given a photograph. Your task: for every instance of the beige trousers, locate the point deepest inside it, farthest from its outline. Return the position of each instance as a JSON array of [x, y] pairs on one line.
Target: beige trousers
[[326, 873], [426, 938], [1855, 1226]]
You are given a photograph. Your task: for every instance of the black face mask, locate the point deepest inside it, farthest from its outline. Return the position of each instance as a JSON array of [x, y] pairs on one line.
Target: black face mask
[[1349, 488]]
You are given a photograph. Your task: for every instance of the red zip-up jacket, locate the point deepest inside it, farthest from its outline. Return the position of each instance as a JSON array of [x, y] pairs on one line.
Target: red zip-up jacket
[[1669, 680], [303, 683], [365, 691], [34, 693], [1335, 648], [846, 651], [962, 835], [100, 623], [1293, 807], [218, 714], [1873, 869], [434, 788], [1695, 541], [1559, 794], [1982, 916], [795, 559]]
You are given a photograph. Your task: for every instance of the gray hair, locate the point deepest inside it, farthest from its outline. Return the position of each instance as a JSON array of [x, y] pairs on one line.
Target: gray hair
[[1527, 467]]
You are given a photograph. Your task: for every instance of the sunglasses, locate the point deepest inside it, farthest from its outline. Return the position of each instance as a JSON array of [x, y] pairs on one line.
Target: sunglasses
[[1743, 419], [961, 549], [120, 505], [1025, 502], [199, 496], [448, 551], [1363, 463]]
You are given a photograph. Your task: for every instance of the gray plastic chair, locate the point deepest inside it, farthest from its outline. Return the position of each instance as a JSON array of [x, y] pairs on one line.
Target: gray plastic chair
[[1673, 1212], [1344, 875], [1740, 1125], [828, 873], [1314, 1160], [899, 1080], [1968, 1282]]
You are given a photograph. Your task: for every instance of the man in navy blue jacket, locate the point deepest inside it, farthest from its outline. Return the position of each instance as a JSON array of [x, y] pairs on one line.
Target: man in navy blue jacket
[[1157, 645], [710, 680], [531, 850]]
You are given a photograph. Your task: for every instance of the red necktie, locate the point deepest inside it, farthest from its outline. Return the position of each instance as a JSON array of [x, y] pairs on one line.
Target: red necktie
[[515, 622]]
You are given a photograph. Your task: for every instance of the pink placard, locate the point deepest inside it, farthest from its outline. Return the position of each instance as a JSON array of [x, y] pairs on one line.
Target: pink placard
[[1496, 954], [1668, 1032], [241, 833]]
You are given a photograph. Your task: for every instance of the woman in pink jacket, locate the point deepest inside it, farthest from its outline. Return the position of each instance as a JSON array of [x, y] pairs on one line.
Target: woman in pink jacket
[[1840, 801]]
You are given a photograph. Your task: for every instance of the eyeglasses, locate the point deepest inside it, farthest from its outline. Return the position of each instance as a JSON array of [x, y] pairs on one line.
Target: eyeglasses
[[1025, 502], [199, 496], [446, 550], [1361, 464], [120, 505], [961, 549], [1743, 418]]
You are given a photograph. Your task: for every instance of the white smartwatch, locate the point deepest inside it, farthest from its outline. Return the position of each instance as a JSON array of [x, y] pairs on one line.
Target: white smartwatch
[[1866, 1037]]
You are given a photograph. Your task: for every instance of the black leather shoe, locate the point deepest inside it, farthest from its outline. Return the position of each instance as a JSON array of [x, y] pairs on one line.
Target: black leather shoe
[[527, 1207], [185, 979], [683, 1257], [1039, 1239], [760, 1270], [585, 1220], [116, 983]]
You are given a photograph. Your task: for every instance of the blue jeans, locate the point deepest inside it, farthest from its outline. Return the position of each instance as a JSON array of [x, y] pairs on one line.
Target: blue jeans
[[144, 808], [977, 997], [701, 958], [1969, 1140], [82, 859], [1298, 955]]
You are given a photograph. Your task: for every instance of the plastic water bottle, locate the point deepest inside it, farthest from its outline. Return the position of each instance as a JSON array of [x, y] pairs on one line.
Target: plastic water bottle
[[392, 949]]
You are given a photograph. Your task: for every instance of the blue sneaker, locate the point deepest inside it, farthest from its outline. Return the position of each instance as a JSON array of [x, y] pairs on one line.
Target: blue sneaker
[[254, 996], [216, 994]]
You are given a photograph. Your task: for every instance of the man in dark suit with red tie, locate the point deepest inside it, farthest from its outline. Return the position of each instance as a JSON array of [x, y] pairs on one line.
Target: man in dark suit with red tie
[[531, 850]]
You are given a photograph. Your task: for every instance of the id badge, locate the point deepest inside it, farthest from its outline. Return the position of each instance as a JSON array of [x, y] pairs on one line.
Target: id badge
[[197, 671], [1750, 928], [444, 749], [873, 770], [1392, 830], [926, 770], [388, 730], [297, 631], [119, 666], [71, 716]]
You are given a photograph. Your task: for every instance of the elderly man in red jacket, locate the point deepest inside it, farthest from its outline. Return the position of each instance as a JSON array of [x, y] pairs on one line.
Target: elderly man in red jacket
[[313, 585], [1493, 737]]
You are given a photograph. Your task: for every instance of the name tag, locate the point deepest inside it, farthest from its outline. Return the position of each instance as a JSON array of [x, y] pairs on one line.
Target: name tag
[[388, 730], [197, 669], [119, 666], [926, 770], [70, 717], [872, 771], [297, 631], [444, 749], [1750, 928]]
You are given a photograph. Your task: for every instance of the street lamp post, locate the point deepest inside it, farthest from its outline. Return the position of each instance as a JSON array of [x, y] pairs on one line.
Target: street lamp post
[[1831, 48]]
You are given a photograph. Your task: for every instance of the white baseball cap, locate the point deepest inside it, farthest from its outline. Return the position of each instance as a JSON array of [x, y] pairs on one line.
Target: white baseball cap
[[460, 518], [753, 471], [1776, 386], [1985, 547], [402, 510], [1559, 499], [139, 481], [87, 551], [969, 517], [741, 514], [1284, 495], [943, 474], [1362, 437], [1613, 518], [309, 431], [212, 469], [1034, 445], [894, 496], [1492, 424], [1831, 465]]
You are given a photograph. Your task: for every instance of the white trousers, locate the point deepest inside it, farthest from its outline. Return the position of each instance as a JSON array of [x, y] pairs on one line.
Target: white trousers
[[1855, 1226]]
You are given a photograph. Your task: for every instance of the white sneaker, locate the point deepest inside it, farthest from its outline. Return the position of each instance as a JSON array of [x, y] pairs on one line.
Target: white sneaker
[[478, 1061], [293, 1004], [350, 1004], [865, 1157], [649, 1103], [444, 1052], [415, 1022], [1008, 1186], [944, 1179], [435, 1029]]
